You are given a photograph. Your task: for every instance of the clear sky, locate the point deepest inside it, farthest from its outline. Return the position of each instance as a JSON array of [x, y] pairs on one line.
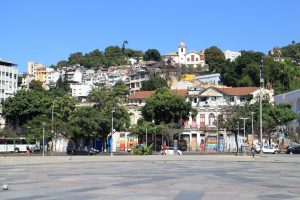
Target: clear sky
[[48, 31]]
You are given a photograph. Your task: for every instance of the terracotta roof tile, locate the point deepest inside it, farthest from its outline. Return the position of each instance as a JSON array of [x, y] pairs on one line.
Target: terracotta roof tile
[[147, 94], [141, 95], [238, 90]]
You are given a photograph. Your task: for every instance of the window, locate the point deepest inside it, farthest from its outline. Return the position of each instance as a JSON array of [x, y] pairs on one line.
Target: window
[[192, 58], [242, 98], [195, 100], [231, 99], [140, 101], [211, 119], [196, 59], [181, 49], [202, 120], [213, 98], [202, 98], [188, 59]]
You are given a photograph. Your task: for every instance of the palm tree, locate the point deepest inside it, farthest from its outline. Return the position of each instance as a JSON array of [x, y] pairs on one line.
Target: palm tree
[[125, 42]]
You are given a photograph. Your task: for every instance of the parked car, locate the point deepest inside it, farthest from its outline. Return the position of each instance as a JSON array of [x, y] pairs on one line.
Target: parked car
[[171, 151], [83, 150], [293, 149], [270, 149]]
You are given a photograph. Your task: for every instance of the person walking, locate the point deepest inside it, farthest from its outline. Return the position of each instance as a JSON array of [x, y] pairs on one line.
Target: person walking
[[27, 151]]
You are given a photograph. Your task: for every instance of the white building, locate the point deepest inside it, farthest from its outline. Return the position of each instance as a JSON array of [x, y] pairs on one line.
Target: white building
[[80, 89], [232, 55], [209, 78], [193, 58], [8, 79]]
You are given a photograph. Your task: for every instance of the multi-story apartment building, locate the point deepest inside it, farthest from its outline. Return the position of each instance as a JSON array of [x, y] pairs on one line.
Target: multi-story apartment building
[[193, 58], [36, 71], [8, 84], [232, 55], [135, 78], [8, 79]]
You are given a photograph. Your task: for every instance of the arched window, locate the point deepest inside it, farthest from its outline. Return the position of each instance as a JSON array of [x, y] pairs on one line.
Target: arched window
[[211, 119]]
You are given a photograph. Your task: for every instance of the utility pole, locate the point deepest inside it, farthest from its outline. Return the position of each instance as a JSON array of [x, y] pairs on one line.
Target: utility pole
[[43, 139], [252, 125], [244, 118], [218, 148], [261, 82], [112, 131], [146, 137], [238, 138]]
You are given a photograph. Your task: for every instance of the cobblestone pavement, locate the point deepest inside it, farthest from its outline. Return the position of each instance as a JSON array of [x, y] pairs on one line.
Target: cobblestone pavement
[[151, 177]]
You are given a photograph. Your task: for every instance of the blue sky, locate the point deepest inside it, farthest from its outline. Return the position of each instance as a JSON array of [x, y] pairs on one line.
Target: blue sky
[[48, 31]]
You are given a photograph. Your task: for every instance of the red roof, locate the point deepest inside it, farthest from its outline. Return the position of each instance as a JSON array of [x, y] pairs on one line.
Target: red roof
[[236, 91], [147, 94], [141, 95]]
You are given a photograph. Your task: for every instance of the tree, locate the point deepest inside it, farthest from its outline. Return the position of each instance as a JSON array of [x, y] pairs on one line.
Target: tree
[[36, 85], [25, 105], [215, 58], [273, 116], [165, 107], [125, 42], [152, 54], [154, 83]]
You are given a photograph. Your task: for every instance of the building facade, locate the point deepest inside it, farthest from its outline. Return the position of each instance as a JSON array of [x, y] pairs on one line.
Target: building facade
[[8, 79], [232, 55], [192, 58]]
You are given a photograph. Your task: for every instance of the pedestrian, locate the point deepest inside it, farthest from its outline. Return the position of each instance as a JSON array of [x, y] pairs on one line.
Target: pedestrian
[[27, 151], [252, 151]]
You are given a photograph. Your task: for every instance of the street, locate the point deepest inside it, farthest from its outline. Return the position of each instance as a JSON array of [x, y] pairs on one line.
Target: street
[[151, 177]]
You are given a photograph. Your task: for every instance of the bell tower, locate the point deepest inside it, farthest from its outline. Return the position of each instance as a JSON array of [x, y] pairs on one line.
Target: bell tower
[[181, 53]]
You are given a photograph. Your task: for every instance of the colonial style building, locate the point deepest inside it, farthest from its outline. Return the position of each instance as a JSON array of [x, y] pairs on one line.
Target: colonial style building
[[182, 57], [212, 103]]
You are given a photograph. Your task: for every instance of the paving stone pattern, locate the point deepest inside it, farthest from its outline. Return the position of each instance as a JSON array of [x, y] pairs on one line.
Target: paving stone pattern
[[178, 178]]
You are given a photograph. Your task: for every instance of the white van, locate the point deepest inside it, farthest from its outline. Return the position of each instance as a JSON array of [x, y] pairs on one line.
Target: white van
[[16, 145]]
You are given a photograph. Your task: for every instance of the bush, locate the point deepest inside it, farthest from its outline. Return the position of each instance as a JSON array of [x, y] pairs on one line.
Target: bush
[[142, 150]]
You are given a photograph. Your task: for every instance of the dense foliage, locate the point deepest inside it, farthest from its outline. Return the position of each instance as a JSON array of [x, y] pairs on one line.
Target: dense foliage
[[154, 83], [283, 74], [112, 56]]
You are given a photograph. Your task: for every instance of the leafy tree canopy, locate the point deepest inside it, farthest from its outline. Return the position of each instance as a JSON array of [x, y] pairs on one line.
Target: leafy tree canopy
[[154, 83], [152, 54], [165, 107]]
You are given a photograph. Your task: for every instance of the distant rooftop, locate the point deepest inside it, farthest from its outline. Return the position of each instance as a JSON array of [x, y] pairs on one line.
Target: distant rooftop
[[7, 63]]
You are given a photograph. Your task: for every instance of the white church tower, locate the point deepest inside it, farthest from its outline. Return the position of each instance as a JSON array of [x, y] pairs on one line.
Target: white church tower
[[182, 53]]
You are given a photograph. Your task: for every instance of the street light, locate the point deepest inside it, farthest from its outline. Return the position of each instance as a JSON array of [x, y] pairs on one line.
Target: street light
[[218, 130], [112, 130], [238, 123], [261, 82], [244, 118], [43, 138]]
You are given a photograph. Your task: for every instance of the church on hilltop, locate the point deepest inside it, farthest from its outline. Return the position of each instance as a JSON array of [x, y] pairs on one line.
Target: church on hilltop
[[182, 57]]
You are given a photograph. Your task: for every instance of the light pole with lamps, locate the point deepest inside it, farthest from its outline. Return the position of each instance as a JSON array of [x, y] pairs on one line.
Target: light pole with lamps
[[261, 82], [112, 131], [43, 138], [244, 118], [238, 123]]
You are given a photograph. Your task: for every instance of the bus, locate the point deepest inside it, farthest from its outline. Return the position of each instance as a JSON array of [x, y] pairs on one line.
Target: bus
[[16, 145]]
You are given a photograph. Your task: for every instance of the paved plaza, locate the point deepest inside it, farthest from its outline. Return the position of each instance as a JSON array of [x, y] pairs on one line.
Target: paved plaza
[[205, 177]]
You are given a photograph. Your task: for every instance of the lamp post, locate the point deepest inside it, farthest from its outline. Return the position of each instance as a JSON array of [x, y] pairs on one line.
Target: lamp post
[[52, 131], [218, 143], [43, 139], [238, 123], [252, 125], [112, 131], [146, 137], [261, 82], [244, 118]]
